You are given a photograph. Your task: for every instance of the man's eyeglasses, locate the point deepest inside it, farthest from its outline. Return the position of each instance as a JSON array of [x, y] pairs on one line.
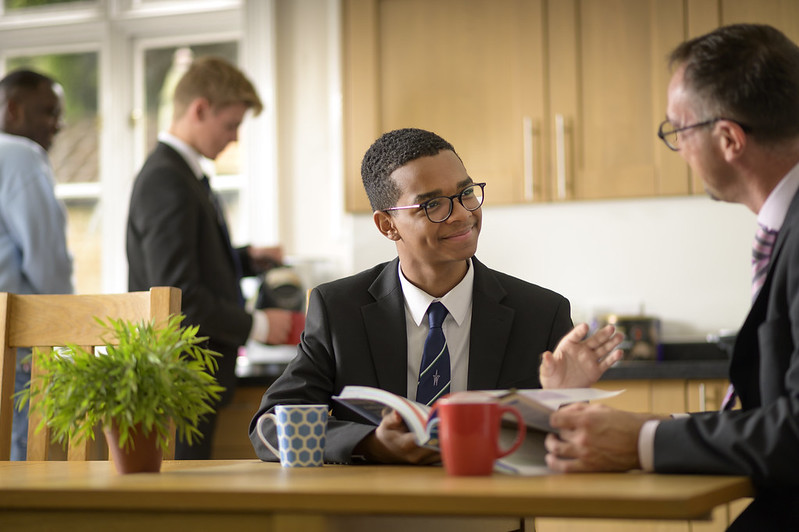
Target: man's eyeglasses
[[672, 139], [439, 209]]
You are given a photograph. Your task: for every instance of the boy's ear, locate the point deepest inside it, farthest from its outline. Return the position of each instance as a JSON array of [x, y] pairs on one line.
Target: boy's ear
[[385, 224]]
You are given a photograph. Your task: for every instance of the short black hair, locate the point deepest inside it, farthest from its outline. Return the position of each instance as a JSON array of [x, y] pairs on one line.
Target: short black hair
[[745, 72], [23, 80], [391, 151]]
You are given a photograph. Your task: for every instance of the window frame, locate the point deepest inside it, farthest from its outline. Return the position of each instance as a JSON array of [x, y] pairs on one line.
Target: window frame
[[118, 30]]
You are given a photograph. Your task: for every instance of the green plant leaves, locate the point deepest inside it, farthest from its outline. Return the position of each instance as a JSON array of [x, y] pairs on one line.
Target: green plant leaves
[[146, 376]]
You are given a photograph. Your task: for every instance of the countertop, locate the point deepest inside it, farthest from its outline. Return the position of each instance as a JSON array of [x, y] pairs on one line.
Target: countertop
[[689, 360]]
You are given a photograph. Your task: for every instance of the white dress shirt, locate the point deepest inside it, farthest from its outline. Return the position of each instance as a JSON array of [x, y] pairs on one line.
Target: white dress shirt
[[457, 326]]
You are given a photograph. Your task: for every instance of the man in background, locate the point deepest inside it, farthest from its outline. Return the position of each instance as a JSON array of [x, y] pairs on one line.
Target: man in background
[[733, 115], [177, 233], [33, 245]]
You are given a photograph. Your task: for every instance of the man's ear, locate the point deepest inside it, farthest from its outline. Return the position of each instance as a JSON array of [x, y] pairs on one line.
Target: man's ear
[[733, 139], [385, 224], [199, 108], [14, 115]]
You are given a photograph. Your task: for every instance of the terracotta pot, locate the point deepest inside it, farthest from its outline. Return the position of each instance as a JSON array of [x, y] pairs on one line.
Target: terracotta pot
[[143, 457]]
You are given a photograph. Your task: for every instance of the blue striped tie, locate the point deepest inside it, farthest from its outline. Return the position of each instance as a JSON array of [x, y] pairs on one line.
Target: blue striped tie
[[434, 372]]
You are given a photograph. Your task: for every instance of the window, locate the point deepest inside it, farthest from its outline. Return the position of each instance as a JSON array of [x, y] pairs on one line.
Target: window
[[116, 60]]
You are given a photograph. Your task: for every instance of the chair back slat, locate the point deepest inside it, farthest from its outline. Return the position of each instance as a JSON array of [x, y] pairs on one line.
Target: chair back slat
[[47, 321]]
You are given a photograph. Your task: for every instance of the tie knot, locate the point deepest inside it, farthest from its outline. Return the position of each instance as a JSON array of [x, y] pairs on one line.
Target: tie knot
[[436, 313], [764, 242]]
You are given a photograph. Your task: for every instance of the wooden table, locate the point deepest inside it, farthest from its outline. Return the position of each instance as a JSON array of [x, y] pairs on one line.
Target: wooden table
[[244, 495]]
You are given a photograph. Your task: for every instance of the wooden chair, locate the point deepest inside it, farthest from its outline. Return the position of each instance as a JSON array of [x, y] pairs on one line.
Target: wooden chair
[[47, 321]]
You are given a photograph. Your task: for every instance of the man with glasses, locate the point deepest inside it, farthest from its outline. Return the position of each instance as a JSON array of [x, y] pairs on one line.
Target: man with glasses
[[370, 329], [733, 115]]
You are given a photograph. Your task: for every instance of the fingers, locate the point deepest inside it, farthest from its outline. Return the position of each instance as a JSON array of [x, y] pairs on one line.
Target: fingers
[[562, 455], [601, 336], [547, 367], [611, 359], [576, 334]]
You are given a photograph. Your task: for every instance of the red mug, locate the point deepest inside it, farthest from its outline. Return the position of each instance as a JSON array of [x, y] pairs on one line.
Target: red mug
[[468, 433]]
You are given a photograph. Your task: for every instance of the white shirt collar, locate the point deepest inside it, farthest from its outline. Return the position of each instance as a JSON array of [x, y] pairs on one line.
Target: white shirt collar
[[198, 164], [458, 300], [775, 208]]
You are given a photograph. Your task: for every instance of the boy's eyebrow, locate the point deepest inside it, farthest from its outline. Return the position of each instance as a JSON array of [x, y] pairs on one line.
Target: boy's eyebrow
[[421, 198]]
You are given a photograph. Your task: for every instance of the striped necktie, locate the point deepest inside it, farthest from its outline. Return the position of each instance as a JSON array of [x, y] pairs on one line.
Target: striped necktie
[[761, 253], [434, 373], [761, 256]]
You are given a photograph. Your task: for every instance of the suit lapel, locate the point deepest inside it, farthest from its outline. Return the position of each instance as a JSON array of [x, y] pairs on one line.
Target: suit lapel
[[745, 358], [203, 197], [491, 324], [385, 328]]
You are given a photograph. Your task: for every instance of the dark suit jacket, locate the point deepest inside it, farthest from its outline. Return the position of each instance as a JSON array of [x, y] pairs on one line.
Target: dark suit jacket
[[355, 335], [762, 439], [174, 239]]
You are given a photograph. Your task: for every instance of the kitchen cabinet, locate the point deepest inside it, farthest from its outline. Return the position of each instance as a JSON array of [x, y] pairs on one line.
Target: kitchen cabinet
[[231, 440], [543, 100]]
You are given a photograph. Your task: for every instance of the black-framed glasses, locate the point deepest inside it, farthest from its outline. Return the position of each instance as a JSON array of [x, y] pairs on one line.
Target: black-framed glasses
[[671, 138], [439, 209]]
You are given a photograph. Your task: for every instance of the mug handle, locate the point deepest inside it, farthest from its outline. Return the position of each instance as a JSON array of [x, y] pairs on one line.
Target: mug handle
[[521, 431], [261, 436]]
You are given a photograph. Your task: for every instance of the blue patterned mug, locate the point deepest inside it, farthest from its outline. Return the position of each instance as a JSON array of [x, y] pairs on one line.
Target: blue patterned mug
[[300, 434]]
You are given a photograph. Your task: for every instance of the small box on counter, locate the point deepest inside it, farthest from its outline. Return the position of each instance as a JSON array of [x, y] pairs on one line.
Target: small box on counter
[[641, 336]]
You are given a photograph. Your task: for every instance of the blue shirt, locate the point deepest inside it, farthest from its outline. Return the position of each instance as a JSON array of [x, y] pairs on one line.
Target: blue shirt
[[33, 244]]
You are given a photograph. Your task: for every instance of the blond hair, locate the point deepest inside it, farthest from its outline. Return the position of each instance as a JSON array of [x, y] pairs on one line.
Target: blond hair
[[217, 81]]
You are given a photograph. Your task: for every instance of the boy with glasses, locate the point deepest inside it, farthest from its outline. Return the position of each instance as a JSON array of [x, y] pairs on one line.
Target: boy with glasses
[[370, 329]]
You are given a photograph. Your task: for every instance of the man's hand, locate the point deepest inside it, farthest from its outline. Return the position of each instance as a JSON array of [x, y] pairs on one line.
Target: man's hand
[[594, 438], [578, 362], [392, 443], [280, 323], [265, 258]]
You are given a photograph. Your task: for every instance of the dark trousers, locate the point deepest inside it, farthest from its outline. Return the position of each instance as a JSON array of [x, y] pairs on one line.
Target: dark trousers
[[769, 512], [199, 449]]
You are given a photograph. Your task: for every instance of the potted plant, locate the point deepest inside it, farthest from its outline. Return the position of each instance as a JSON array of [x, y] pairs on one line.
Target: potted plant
[[147, 380]]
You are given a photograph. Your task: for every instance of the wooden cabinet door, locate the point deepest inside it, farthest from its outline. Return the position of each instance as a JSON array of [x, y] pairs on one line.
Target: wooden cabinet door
[[608, 81], [471, 72]]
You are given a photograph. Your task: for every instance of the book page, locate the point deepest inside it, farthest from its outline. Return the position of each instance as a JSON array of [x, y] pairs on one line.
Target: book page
[[370, 402]]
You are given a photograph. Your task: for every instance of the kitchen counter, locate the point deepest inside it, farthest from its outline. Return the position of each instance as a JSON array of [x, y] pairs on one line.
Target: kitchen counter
[[677, 361]]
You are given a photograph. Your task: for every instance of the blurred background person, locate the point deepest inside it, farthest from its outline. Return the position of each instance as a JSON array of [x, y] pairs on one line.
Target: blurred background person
[[177, 234], [33, 245]]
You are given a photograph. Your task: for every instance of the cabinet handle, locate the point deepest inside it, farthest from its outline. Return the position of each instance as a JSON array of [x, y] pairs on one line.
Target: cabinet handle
[[528, 136], [560, 155], [702, 398]]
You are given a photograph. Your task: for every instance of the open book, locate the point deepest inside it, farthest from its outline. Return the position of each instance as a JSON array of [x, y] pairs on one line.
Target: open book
[[535, 406]]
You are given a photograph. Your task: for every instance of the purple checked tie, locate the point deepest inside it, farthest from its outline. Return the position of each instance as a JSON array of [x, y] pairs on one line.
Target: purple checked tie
[[434, 372], [761, 255]]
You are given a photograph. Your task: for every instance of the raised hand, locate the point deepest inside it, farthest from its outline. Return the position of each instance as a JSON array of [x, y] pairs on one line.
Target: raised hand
[[578, 361]]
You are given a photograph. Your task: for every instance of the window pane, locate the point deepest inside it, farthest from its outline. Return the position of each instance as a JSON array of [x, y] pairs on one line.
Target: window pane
[[74, 155], [21, 4], [74, 151], [163, 68]]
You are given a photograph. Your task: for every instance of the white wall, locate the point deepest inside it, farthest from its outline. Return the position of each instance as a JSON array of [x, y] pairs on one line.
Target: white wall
[[685, 260]]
